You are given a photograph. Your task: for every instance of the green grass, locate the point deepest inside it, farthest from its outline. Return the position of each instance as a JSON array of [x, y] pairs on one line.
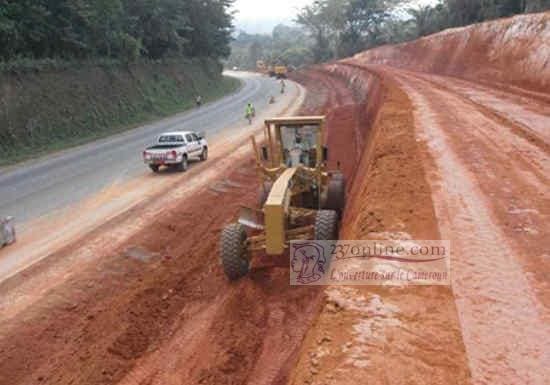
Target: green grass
[[52, 111]]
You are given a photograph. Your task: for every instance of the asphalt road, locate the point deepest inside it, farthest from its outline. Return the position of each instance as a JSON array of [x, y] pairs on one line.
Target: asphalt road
[[40, 187]]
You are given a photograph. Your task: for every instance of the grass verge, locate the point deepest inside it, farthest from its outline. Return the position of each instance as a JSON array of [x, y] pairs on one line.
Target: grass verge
[[48, 112]]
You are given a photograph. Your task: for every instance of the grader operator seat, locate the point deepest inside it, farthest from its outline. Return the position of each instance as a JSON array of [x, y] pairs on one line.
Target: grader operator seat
[[299, 198], [299, 146]]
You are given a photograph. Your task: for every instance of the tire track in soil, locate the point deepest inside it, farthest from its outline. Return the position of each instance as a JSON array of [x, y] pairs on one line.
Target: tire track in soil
[[501, 298], [168, 315]]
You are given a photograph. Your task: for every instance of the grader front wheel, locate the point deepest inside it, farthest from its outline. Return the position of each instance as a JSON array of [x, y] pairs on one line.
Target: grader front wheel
[[233, 251]]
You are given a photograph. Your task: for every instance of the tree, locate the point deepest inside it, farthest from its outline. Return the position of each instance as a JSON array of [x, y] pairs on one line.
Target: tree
[[536, 5], [492, 9], [255, 53], [121, 29], [313, 19], [344, 27]]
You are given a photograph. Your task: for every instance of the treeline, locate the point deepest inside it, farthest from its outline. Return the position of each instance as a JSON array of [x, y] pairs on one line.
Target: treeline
[[341, 28], [332, 29], [119, 29], [286, 45]]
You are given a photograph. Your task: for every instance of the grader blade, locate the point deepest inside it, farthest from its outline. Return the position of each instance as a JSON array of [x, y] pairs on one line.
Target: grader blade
[[251, 218]]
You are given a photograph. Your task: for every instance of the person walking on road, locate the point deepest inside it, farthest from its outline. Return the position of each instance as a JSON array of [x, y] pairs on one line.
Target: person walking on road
[[198, 101], [250, 112]]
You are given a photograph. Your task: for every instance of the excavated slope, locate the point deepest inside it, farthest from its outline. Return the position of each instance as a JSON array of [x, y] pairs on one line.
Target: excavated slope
[[512, 51]]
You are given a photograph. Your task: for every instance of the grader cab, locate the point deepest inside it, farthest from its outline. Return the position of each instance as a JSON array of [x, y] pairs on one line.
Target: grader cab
[[299, 199]]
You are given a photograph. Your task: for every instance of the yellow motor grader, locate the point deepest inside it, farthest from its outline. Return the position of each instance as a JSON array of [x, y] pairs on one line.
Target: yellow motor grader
[[299, 199]]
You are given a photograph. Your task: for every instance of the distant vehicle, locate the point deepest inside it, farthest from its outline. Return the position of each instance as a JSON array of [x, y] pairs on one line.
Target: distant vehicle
[[7, 231], [281, 72], [174, 149]]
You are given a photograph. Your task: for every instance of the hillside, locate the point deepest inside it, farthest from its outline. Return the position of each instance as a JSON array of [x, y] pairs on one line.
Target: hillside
[[51, 109], [513, 51]]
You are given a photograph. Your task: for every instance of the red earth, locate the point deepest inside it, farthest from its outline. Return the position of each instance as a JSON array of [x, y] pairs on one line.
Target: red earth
[[446, 137]]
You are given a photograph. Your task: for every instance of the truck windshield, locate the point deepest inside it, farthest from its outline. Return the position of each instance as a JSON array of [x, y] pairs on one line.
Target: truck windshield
[[171, 139]]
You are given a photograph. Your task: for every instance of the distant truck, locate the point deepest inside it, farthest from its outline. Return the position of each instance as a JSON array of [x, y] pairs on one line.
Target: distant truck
[[174, 149], [281, 72]]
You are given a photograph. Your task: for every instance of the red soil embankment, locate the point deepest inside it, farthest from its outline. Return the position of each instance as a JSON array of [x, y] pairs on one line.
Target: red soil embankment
[[457, 149], [513, 51], [388, 195]]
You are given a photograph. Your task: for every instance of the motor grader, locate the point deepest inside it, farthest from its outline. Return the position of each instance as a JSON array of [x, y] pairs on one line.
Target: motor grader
[[299, 199]]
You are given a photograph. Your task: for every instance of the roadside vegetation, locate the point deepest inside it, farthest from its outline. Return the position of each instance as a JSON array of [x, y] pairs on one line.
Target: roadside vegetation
[[334, 29], [75, 70], [121, 29], [52, 110]]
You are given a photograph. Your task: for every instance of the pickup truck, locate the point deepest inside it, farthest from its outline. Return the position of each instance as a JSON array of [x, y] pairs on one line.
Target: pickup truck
[[174, 149]]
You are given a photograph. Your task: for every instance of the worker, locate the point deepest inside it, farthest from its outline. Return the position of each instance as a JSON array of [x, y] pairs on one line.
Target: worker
[[282, 86], [198, 100], [272, 99], [297, 153], [250, 112]]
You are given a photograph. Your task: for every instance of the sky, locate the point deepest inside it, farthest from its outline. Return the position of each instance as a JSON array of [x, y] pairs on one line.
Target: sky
[[260, 16]]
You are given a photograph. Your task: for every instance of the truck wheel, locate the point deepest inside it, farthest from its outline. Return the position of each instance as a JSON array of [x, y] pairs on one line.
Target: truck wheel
[[154, 167], [183, 165], [233, 251], [204, 154], [336, 194], [326, 225]]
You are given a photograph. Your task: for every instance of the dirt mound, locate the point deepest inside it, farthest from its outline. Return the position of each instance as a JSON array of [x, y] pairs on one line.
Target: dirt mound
[[513, 51]]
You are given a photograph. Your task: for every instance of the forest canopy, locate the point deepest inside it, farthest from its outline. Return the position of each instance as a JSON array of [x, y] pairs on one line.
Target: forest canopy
[[118, 29], [341, 28], [333, 29]]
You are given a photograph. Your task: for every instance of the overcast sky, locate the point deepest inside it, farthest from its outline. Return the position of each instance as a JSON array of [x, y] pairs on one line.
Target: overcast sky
[[283, 9], [260, 16]]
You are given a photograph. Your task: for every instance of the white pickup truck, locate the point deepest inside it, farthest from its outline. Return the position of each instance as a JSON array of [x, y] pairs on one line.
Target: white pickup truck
[[174, 149]]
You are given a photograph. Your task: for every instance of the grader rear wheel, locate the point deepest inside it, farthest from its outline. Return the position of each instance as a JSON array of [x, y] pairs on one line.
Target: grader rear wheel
[[336, 195], [326, 225], [233, 251]]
